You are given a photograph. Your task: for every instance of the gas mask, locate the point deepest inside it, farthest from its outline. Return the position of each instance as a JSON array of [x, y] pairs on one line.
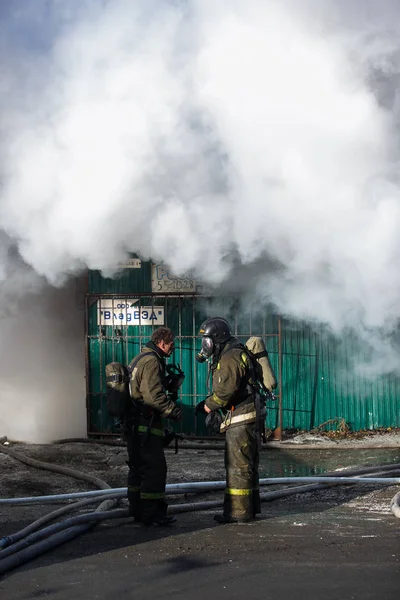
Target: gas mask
[[174, 378], [206, 351]]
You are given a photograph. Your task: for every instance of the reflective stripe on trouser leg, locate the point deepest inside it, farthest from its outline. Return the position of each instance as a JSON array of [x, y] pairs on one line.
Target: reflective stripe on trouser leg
[[242, 497], [152, 430]]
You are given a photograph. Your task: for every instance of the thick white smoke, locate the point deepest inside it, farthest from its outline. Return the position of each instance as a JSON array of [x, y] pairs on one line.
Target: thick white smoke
[[42, 384], [257, 137]]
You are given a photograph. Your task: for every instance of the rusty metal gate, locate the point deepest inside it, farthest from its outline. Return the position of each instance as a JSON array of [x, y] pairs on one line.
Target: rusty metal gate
[[117, 325]]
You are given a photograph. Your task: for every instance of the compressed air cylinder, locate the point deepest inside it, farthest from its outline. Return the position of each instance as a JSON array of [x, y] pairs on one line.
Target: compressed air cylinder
[[257, 347]]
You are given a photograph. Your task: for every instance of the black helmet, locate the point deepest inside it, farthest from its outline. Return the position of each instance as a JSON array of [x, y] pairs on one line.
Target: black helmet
[[217, 329], [214, 331]]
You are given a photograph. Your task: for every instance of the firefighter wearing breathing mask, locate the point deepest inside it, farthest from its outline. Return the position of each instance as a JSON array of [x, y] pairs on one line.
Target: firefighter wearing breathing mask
[[232, 373]]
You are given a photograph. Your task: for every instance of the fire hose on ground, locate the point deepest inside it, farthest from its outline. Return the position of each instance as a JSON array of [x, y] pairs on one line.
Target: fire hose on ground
[[33, 540]]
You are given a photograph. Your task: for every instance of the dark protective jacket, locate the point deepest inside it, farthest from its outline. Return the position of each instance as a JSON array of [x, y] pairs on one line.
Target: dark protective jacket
[[230, 381], [232, 375], [145, 436], [148, 380]]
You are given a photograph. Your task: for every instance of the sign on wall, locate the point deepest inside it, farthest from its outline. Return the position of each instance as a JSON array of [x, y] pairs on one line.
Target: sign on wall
[[120, 311], [130, 263], [164, 282]]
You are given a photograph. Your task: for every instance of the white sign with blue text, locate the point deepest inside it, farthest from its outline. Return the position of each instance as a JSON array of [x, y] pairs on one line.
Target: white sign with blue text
[[122, 311]]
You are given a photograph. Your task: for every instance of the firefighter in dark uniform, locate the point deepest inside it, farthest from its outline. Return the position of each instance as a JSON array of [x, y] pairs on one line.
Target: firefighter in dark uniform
[[145, 432], [232, 374]]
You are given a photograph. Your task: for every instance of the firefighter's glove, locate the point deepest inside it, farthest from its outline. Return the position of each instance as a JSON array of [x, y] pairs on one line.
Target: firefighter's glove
[[175, 414], [213, 421]]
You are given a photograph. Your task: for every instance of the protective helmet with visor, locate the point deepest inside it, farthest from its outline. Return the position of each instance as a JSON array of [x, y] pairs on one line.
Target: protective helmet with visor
[[214, 331]]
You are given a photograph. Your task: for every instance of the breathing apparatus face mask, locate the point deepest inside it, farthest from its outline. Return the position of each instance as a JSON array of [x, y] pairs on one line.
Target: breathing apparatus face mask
[[174, 378], [206, 351]]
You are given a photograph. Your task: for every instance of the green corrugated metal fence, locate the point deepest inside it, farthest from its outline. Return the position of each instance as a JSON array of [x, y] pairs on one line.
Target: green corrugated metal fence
[[321, 382], [317, 380], [121, 341]]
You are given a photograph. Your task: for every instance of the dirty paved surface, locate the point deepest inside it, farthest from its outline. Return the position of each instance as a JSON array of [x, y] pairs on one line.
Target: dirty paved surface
[[334, 543]]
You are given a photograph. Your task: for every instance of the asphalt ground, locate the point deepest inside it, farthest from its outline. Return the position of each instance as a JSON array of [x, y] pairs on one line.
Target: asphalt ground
[[335, 543]]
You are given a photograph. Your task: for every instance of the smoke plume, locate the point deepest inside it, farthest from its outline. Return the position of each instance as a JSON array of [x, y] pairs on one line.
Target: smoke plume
[[253, 143]]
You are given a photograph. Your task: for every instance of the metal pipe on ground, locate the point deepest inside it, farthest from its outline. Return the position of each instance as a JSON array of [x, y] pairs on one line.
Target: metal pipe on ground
[[204, 486], [192, 487]]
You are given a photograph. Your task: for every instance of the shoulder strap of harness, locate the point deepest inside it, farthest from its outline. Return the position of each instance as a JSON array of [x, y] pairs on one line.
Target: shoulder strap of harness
[[137, 358], [134, 362]]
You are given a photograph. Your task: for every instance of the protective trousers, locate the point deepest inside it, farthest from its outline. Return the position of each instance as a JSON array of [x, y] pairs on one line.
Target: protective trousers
[[147, 474], [242, 493]]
